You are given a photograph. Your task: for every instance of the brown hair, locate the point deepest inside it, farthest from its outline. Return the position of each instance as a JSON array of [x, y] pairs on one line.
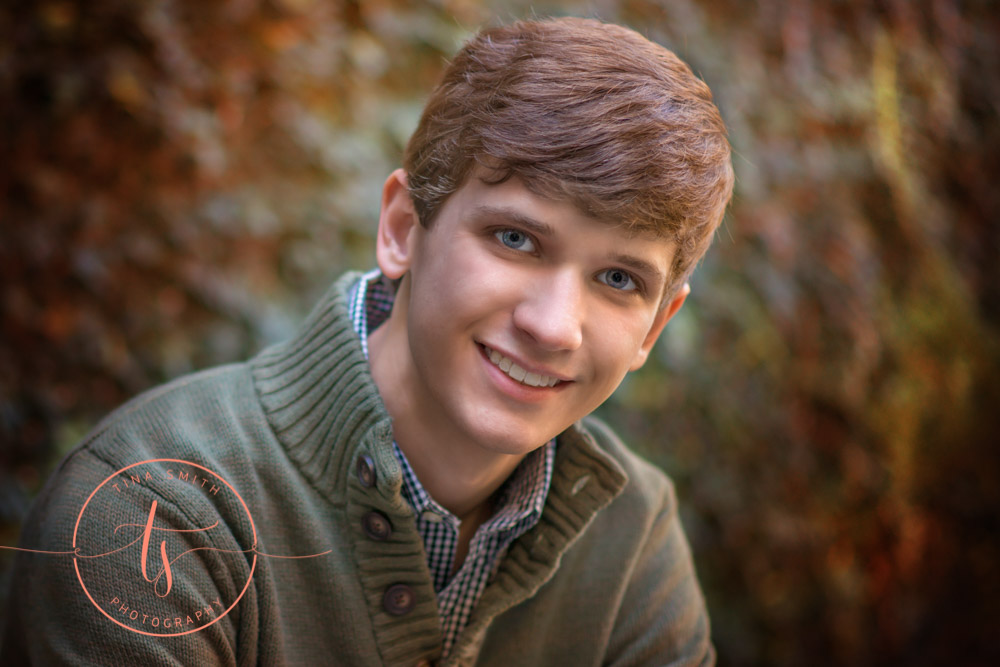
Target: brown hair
[[582, 111]]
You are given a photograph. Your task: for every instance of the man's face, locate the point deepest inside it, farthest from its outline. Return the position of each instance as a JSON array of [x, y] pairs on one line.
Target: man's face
[[522, 314]]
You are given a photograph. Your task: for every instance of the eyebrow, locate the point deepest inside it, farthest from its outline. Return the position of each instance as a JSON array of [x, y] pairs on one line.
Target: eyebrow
[[531, 224], [540, 228]]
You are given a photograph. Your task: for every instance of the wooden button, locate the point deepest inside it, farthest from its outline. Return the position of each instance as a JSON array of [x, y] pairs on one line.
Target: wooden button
[[365, 469], [376, 526], [399, 599]]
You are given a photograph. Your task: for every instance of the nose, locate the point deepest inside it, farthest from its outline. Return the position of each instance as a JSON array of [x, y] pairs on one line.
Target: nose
[[552, 311]]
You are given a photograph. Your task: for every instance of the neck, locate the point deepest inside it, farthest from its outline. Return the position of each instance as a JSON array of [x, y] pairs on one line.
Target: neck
[[460, 475], [463, 485]]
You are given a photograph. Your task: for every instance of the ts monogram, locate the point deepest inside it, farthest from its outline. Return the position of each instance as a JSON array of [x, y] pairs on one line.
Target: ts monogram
[[132, 586]]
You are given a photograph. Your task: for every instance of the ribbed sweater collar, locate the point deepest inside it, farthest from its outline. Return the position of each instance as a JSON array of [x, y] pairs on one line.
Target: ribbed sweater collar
[[319, 397]]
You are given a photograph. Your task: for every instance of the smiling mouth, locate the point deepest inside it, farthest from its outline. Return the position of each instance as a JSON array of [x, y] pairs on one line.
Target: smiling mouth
[[515, 372]]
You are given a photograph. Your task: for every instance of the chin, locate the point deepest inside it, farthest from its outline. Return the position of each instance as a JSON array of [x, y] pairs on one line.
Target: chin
[[510, 448], [518, 442]]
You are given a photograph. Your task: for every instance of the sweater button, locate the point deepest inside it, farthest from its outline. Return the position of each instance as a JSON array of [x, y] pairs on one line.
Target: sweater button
[[399, 599], [376, 526], [365, 468]]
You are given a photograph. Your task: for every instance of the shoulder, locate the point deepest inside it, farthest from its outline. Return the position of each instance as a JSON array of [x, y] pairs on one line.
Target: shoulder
[[660, 612], [160, 461], [648, 488], [193, 395], [202, 427], [201, 414]]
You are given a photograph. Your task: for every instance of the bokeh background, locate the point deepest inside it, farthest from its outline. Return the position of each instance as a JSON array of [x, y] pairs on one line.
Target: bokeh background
[[180, 180]]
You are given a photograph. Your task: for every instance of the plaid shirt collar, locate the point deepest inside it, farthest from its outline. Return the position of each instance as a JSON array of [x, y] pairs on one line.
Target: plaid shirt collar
[[518, 503]]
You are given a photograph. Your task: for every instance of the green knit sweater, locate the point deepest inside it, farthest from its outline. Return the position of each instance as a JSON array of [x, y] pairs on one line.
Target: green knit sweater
[[301, 436]]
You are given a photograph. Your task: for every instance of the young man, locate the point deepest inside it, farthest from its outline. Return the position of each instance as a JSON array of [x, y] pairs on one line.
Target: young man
[[414, 478]]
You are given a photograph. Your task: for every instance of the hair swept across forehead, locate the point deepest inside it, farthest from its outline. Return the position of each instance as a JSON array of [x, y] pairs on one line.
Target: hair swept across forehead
[[582, 111]]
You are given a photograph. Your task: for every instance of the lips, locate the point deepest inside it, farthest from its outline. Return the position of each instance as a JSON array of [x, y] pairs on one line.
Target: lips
[[515, 372]]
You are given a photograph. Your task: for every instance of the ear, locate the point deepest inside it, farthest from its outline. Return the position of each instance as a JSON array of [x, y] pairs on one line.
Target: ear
[[397, 223], [660, 321]]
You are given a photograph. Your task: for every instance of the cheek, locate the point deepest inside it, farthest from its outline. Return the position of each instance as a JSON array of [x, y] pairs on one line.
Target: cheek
[[470, 282], [614, 348], [451, 294]]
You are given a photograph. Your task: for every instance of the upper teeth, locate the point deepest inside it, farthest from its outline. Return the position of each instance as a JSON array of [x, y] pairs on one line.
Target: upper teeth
[[518, 373]]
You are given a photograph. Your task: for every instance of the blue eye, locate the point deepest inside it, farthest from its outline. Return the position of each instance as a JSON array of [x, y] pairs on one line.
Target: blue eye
[[515, 240], [618, 279]]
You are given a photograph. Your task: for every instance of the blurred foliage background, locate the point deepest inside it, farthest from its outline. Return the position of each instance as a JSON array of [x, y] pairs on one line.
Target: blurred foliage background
[[179, 180]]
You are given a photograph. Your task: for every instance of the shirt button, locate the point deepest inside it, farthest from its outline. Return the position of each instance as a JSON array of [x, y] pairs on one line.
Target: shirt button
[[376, 526], [399, 599], [366, 471]]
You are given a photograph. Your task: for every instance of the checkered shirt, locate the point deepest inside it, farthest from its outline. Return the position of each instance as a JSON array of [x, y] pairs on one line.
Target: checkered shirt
[[517, 508]]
